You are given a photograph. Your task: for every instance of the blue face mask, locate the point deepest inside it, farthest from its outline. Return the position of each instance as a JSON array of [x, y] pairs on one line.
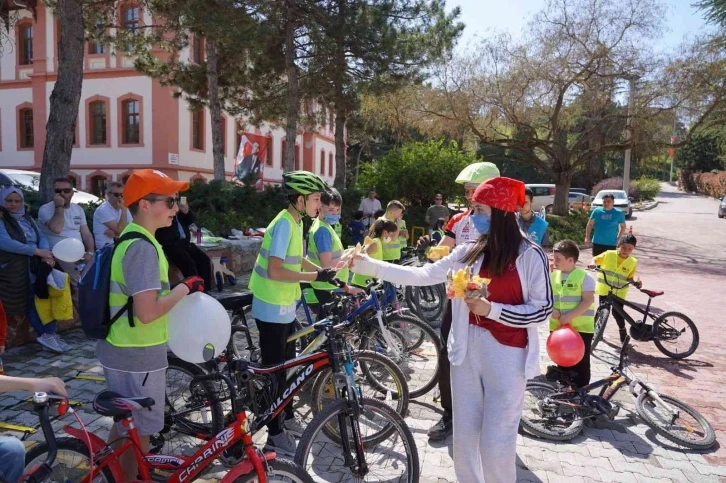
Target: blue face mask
[[481, 223], [332, 219]]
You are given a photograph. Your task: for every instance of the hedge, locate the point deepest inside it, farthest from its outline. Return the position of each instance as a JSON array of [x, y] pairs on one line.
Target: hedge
[[711, 184], [640, 189]]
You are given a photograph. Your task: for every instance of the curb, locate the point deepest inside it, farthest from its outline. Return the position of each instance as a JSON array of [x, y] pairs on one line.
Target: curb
[[648, 207]]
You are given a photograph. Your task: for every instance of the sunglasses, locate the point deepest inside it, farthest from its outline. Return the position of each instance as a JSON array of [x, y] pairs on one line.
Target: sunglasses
[[170, 202], [63, 190], [117, 195]]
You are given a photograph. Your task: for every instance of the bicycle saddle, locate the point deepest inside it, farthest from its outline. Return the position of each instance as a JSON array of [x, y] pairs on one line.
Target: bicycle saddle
[[236, 301], [109, 403], [653, 293]]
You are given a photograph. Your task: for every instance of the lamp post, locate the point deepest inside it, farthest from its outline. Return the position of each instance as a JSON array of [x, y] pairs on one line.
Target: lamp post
[[629, 133]]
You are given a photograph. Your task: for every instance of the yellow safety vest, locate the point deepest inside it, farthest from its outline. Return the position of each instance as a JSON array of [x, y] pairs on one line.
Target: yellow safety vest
[[314, 254], [377, 254], [617, 275], [263, 287], [567, 296], [121, 334], [392, 249]]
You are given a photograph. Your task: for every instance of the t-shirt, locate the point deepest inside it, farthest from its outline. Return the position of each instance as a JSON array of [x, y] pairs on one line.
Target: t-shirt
[[103, 214], [607, 226], [73, 218], [369, 207], [280, 314], [141, 273], [462, 229], [588, 285], [435, 212], [323, 241]]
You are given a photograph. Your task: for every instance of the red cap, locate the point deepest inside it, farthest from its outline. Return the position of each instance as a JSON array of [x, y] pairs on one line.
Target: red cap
[[505, 194], [144, 182]]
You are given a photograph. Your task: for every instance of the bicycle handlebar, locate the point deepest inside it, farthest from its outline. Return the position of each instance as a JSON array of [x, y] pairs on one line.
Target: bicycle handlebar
[[42, 402], [604, 274]]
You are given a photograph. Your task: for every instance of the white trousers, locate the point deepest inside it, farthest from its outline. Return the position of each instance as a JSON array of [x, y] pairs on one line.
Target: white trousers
[[488, 394]]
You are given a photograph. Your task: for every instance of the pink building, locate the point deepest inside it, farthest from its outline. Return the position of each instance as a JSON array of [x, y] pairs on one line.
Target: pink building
[[126, 120]]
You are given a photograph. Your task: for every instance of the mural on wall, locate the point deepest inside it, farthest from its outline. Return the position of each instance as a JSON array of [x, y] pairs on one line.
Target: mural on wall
[[249, 165]]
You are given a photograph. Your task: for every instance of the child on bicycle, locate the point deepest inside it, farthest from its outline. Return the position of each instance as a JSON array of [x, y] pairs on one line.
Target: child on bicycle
[[574, 303], [619, 267], [383, 230], [275, 285]]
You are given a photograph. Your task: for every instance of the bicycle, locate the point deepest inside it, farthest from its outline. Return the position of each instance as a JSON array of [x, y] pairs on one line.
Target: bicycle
[[427, 302], [663, 330], [558, 414], [101, 460]]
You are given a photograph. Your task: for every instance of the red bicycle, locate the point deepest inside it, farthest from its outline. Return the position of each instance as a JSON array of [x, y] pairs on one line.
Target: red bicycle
[[84, 457]]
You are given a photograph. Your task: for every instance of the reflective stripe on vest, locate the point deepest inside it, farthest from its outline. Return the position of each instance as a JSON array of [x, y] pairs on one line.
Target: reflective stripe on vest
[[276, 292], [314, 254], [121, 334], [617, 275], [377, 254], [567, 296]]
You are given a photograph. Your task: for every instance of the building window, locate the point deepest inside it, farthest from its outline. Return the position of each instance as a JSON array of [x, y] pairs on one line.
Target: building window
[[322, 162], [98, 185], [26, 128], [198, 49], [26, 44], [198, 129], [95, 46], [130, 119], [98, 115], [330, 164], [224, 136], [131, 23]]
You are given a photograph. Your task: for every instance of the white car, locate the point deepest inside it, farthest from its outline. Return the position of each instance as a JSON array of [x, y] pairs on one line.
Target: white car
[[31, 180], [622, 201]]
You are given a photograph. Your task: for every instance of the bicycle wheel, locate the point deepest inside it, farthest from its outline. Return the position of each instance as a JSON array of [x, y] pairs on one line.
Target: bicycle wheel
[[390, 456], [427, 302], [382, 380], [192, 409], [601, 320], [690, 429], [240, 346], [670, 334], [72, 462], [280, 471], [546, 419]]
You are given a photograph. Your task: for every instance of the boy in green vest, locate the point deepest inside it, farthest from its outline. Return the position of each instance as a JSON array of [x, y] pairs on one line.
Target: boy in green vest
[[392, 246], [134, 356], [574, 297], [275, 285]]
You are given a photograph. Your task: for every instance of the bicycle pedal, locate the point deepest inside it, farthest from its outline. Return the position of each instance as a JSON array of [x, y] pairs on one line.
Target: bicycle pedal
[[614, 412]]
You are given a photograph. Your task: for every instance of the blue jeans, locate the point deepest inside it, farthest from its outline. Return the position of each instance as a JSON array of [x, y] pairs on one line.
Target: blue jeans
[[12, 459], [34, 318]]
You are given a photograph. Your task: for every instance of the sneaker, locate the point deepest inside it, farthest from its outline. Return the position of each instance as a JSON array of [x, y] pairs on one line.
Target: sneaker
[[61, 343], [441, 430], [294, 427], [283, 443], [50, 343]]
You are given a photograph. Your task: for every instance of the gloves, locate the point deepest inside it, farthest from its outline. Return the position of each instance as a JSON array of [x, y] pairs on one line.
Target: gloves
[[326, 275], [194, 284]]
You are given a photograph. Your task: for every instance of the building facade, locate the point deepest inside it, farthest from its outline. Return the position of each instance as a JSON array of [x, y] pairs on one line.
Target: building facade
[[126, 120]]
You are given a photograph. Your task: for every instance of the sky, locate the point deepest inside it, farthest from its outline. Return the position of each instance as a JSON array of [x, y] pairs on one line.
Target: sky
[[482, 17]]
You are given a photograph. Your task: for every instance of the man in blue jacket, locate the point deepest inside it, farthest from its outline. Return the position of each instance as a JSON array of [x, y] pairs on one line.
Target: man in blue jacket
[[534, 226]]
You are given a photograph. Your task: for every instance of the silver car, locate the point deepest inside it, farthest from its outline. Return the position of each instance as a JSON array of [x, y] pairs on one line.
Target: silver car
[[722, 208], [622, 201]]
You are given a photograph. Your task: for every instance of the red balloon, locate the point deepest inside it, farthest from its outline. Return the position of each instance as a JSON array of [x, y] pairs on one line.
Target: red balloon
[[565, 346]]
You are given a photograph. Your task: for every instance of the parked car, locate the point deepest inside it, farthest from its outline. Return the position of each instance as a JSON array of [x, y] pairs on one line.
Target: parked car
[[580, 201], [622, 201], [722, 208], [544, 196], [30, 180]]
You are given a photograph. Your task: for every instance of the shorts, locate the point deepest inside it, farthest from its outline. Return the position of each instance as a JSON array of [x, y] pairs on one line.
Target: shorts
[[141, 384]]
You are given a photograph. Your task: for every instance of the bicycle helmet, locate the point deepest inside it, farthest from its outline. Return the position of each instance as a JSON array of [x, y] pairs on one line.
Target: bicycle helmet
[[303, 182], [477, 173]]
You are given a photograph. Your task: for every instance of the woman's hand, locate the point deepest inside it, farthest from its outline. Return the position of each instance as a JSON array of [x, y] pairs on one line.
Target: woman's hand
[[556, 314], [478, 306], [50, 261]]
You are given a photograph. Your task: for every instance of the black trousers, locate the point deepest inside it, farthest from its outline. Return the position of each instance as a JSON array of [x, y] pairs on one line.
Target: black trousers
[[581, 370], [444, 366], [191, 261], [598, 249], [324, 297], [274, 349], [618, 318]]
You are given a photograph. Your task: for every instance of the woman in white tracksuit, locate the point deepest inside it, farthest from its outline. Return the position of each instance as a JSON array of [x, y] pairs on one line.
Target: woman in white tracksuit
[[493, 344]]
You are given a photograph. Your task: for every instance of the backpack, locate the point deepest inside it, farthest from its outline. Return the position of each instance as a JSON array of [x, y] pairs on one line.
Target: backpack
[[94, 288]]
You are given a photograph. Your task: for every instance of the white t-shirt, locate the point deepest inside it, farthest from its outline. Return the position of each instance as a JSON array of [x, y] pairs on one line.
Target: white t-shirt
[[103, 214], [73, 218], [369, 207], [463, 228]]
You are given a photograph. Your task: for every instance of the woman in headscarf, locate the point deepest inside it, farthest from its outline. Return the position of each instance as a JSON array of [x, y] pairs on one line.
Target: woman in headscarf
[[22, 249], [493, 344]]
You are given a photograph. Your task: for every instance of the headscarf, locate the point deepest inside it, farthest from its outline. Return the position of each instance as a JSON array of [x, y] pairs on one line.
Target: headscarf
[[505, 194], [7, 192]]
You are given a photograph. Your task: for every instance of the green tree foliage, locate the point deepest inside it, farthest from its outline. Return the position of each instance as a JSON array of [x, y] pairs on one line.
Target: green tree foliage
[[703, 152]]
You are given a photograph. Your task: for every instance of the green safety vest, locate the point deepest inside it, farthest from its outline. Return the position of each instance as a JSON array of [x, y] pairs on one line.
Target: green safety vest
[[338, 227], [122, 334], [314, 254], [403, 241], [617, 275], [377, 254], [263, 287], [392, 249], [567, 296]]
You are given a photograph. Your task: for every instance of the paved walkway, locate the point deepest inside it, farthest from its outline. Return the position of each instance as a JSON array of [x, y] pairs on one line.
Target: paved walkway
[[681, 250]]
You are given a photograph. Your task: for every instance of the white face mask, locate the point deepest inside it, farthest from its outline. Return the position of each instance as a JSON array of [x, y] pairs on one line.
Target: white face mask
[[387, 239]]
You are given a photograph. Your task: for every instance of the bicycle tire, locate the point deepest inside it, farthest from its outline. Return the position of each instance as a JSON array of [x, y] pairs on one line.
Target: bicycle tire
[[341, 407], [706, 442], [431, 312], [279, 468], [601, 321], [38, 454], [661, 320], [413, 347], [542, 430]]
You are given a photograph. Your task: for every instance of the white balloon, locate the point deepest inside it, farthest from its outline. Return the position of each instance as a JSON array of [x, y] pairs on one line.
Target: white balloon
[[69, 250], [198, 325]]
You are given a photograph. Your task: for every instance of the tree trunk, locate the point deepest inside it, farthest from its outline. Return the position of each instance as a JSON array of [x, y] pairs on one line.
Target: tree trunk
[[357, 165], [215, 109], [340, 165], [292, 92], [561, 205], [65, 98]]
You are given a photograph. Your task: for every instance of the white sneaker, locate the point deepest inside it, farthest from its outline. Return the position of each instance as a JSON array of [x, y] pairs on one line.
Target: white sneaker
[[61, 343], [283, 443], [294, 427], [50, 343]]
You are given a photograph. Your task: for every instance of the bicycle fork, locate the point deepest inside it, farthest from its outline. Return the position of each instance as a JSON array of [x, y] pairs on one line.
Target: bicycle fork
[[675, 413], [398, 355], [358, 465]]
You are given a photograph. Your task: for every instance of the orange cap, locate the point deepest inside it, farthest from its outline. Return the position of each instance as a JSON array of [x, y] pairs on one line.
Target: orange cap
[[147, 181]]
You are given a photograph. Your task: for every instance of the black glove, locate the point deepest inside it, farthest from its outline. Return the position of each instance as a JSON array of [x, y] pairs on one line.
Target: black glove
[[326, 275], [194, 284]]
